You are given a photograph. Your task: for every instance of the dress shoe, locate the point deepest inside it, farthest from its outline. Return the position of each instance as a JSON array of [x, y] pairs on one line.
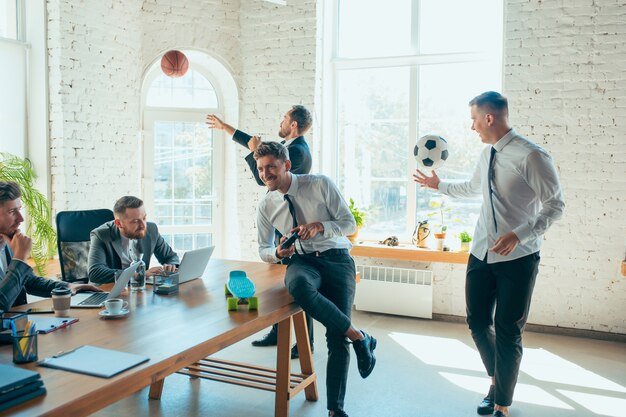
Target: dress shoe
[[338, 413], [267, 340], [365, 358], [294, 351], [486, 405], [499, 413]]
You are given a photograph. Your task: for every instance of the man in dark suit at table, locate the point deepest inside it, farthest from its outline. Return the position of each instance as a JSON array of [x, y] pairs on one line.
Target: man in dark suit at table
[[111, 243], [296, 122], [16, 276]]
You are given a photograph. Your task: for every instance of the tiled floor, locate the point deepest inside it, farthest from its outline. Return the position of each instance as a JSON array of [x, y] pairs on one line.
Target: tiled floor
[[425, 368]]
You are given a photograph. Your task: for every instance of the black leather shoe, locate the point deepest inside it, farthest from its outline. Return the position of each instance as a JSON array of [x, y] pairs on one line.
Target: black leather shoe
[[365, 358], [338, 413], [294, 351], [486, 405], [267, 340], [499, 413]]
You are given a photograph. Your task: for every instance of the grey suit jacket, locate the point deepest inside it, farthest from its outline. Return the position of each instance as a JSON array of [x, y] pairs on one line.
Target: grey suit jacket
[[20, 279], [105, 251]]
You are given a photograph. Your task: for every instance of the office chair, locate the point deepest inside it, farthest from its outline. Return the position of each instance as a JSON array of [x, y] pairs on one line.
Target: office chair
[[73, 229]]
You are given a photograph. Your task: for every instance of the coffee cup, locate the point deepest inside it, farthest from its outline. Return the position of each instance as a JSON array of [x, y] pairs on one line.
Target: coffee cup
[[61, 298], [115, 305]]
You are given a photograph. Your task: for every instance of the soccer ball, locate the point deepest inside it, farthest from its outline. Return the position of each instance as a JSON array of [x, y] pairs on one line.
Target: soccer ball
[[431, 151]]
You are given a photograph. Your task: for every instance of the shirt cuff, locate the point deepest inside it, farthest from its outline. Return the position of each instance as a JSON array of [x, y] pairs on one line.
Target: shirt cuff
[[524, 233], [443, 187]]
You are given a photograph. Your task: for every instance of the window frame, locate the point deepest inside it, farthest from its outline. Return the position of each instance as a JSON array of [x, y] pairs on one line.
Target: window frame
[[152, 114], [333, 64]]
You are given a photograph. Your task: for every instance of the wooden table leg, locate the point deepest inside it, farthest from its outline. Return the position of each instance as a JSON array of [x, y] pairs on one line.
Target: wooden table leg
[[156, 389], [304, 352], [283, 368]]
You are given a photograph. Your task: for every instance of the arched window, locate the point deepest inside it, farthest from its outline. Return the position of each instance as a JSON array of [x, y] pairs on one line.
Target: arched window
[[182, 172]]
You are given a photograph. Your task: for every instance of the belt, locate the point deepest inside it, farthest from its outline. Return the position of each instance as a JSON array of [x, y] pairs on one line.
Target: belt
[[330, 252]]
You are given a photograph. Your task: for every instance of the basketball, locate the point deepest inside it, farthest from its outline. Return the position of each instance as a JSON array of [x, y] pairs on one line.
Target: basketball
[[174, 64]]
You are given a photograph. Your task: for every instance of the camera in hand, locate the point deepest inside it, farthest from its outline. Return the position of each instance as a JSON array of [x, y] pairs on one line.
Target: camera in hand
[[290, 240]]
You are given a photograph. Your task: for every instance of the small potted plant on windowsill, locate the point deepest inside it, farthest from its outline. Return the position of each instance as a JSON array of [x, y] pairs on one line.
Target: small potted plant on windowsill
[[359, 218], [440, 236], [465, 241]]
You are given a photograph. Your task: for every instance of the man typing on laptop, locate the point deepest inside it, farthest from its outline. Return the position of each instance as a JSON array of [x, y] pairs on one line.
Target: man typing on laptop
[[113, 243], [16, 277]]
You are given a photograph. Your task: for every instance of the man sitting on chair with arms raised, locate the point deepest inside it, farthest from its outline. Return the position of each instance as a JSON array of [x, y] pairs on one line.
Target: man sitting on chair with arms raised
[[111, 243], [16, 276], [321, 274]]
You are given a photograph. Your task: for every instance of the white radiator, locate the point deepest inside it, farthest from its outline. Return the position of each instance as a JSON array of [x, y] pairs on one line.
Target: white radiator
[[406, 292]]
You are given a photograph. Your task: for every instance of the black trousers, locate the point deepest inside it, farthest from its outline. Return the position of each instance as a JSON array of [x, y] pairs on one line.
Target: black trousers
[[324, 286], [309, 325], [498, 300]]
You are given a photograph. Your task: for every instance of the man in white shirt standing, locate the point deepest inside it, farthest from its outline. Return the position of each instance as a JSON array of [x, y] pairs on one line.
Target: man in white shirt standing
[[321, 273], [521, 198]]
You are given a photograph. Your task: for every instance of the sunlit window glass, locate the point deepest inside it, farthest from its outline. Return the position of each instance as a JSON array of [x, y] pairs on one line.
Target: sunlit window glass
[[189, 91], [370, 28], [404, 69], [372, 139], [8, 19]]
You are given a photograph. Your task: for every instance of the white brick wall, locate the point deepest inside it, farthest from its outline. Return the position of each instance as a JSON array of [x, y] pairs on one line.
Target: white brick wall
[[95, 73], [563, 73], [567, 90], [278, 70]]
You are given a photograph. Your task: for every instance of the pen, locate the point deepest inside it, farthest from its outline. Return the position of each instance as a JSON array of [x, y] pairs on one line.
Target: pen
[[63, 353]]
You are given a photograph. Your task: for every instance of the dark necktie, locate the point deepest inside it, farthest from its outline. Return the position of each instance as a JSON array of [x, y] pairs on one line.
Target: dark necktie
[[490, 178], [292, 211]]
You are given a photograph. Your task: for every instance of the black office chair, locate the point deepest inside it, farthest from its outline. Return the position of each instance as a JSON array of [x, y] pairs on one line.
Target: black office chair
[[73, 229]]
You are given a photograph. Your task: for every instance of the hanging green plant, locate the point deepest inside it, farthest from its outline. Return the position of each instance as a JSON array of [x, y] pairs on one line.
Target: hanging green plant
[[39, 228]]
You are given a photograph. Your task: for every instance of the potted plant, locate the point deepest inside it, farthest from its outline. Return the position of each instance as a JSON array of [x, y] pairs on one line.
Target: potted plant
[[359, 218], [39, 228], [465, 241]]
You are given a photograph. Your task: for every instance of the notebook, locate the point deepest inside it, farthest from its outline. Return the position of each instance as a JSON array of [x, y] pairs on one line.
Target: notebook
[[22, 398], [97, 299], [12, 377], [192, 265], [92, 360]]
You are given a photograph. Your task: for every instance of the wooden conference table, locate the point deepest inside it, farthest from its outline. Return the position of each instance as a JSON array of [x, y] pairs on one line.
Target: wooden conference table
[[177, 332]]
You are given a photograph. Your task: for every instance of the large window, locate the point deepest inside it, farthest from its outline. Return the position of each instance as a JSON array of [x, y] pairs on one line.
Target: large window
[[181, 159], [13, 75], [402, 70]]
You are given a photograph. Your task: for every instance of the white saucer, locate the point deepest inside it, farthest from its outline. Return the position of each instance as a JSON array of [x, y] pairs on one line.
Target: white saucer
[[105, 313]]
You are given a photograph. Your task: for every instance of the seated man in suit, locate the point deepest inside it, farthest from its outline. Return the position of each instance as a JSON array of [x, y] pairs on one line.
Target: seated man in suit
[[16, 276], [320, 275], [111, 243], [296, 122]]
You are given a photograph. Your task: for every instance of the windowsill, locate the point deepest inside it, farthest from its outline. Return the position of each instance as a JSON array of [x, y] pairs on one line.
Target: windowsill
[[407, 252]]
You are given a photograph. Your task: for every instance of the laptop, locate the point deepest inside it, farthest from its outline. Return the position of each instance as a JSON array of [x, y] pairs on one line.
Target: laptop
[[192, 265], [97, 299]]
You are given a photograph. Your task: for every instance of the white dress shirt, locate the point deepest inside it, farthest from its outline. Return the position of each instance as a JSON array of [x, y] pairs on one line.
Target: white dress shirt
[[527, 196], [315, 199]]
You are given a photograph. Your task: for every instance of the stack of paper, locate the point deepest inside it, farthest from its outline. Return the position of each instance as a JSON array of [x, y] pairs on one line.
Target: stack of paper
[[18, 385]]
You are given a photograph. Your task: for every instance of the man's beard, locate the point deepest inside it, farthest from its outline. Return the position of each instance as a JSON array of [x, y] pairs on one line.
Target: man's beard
[[136, 235]]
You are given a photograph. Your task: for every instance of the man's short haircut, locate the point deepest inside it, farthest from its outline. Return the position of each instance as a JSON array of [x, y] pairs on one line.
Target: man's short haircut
[[302, 116], [9, 191], [275, 149], [126, 202], [491, 102]]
